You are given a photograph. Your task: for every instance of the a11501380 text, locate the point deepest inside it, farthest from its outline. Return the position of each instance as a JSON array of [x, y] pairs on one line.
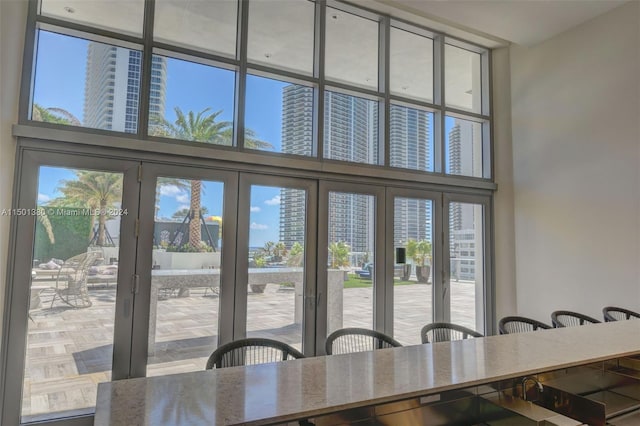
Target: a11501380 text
[[62, 211]]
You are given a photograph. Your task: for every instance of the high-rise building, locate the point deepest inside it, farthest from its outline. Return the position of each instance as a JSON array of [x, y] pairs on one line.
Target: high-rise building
[[409, 132], [297, 131], [112, 87], [351, 134], [463, 240]]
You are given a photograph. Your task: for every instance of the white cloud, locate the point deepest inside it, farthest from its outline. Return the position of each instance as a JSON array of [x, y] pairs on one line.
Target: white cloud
[[183, 206], [275, 201], [258, 226], [43, 198], [170, 190], [255, 209], [182, 198]]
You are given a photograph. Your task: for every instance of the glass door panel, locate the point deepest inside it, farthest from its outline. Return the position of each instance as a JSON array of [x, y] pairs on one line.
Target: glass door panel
[[412, 281], [185, 276], [351, 277], [276, 263], [72, 292], [466, 282]]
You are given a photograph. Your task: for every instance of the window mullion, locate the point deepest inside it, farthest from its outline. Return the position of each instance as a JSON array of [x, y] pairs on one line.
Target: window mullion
[[241, 75], [144, 96]]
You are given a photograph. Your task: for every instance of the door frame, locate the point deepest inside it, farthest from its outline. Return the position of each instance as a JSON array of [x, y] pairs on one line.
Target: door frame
[[247, 180], [323, 254], [437, 247], [487, 246], [148, 176], [21, 247]]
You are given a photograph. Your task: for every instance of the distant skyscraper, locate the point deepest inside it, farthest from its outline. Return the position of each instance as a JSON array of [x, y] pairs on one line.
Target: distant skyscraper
[[410, 132], [464, 242], [351, 134], [297, 138], [112, 87], [461, 162]]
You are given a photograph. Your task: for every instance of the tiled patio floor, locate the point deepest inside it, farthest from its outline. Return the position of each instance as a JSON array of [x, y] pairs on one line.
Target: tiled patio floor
[[70, 350]]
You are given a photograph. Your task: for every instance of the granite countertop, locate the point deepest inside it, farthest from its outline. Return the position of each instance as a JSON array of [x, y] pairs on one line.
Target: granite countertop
[[284, 391]]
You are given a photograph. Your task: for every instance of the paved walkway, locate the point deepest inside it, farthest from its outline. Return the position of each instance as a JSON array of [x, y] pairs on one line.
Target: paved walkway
[[70, 350]]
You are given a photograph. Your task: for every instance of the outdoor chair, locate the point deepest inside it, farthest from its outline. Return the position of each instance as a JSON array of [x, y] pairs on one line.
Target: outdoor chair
[[71, 281], [446, 332], [611, 313], [348, 340], [516, 324], [251, 351], [366, 272], [571, 319]]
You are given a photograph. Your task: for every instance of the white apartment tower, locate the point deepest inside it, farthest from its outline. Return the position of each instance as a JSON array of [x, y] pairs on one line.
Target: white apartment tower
[[112, 87]]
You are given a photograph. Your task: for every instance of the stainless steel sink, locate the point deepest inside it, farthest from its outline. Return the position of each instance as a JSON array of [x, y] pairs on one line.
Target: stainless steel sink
[[593, 395]]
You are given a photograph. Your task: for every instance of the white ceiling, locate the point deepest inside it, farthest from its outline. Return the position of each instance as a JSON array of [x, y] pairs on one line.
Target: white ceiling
[[525, 22]]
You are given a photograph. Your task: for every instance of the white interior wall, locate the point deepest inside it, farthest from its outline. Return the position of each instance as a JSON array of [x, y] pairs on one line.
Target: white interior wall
[[13, 18], [505, 269], [576, 155]]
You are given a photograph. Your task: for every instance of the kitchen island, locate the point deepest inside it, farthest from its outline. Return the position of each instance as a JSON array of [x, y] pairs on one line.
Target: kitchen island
[[313, 387]]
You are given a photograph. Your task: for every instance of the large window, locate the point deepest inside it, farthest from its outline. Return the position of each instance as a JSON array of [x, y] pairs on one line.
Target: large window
[[80, 82], [190, 101], [266, 76], [275, 156]]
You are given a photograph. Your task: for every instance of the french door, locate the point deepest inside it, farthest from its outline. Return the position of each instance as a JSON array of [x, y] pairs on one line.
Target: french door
[[70, 308], [166, 262], [443, 240], [351, 258], [467, 296], [185, 268]]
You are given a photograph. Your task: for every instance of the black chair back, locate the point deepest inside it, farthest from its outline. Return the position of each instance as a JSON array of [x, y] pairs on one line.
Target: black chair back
[[445, 332], [612, 313], [517, 324], [251, 351], [571, 319], [349, 340]]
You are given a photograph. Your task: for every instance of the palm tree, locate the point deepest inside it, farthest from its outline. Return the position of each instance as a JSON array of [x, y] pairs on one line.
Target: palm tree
[[339, 252], [54, 115], [97, 191], [46, 224], [268, 248], [279, 251], [421, 253], [200, 127], [296, 255]]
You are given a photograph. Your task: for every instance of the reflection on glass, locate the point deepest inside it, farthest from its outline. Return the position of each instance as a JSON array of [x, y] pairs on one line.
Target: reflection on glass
[[276, 264], [411, 134], [279, 116], [90, 84], [124, 16], [199, 100], [350, 128], [411, 65], [351, 49], [463, 147], [281, 34], [185, 276], [462, 76], [467, 260], [208, 26], [72, 292], [413, 293], [350, 274]]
